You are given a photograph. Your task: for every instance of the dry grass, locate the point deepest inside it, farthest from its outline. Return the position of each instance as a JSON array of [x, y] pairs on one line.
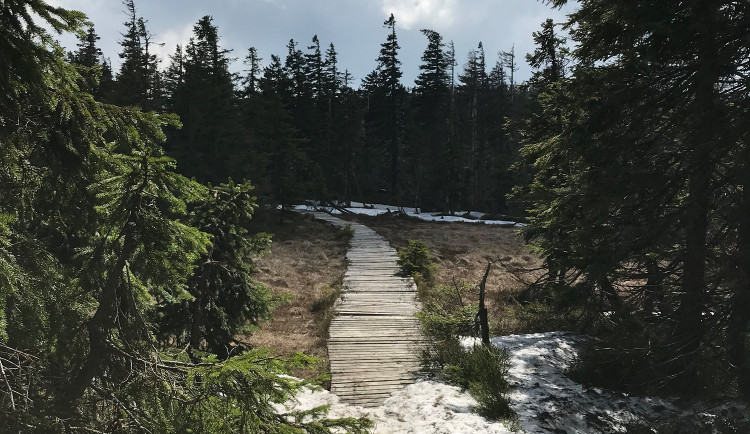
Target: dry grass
[[307, 263], [462, 251]]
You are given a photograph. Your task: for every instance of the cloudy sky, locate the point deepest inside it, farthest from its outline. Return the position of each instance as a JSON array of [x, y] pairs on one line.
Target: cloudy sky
[[354, 26]]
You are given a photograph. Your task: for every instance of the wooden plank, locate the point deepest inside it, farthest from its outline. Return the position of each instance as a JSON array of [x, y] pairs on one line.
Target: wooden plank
[[374, 341]]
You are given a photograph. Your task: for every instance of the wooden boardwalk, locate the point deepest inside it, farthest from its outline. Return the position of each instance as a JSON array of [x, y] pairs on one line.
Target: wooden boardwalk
[[374, 340]]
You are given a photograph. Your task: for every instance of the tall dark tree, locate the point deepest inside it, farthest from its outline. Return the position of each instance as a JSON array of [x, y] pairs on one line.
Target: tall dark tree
[[294, 68], [473, 92], [549, 56], [429, 156], [508, 60], [132, 80], [89, 55], [205, 101], [385, 118], [250, 82], [278, 158], [636, 181], [154, 80]]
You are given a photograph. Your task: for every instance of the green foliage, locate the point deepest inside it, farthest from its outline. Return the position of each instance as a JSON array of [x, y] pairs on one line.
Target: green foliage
[[201, 92], [537, 317], [346, 232], [238, 395], [223, 297], [481, 370], [634, 356], [416, 261], [635, 204], [97, 231], [443, 317]]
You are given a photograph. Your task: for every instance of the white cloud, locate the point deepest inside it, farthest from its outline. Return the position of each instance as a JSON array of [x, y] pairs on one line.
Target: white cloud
[[170, 39], [411, 14]]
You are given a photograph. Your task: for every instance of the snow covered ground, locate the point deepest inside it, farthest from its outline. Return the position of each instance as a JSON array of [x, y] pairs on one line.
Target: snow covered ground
[[378, 209], [545, 400]]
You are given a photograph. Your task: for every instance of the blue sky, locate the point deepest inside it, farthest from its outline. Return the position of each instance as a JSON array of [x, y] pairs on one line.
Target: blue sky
[[354, 27]]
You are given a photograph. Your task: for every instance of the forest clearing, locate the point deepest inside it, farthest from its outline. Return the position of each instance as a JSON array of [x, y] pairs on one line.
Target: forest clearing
[[549, 235], [540, 358]]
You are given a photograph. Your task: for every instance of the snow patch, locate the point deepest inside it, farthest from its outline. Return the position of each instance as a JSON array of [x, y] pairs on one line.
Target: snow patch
[[545, 400], [422, 407], [379, 209]]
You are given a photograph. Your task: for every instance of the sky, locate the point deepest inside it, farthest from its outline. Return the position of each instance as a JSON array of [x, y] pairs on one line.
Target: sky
[[355, 27]]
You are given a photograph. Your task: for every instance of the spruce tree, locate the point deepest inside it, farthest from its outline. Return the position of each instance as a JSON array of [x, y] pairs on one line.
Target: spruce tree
[[386, 118], [89, 55], [94, 236], [473, 94], [429, 155], [225, 300], [635, 182], [132, 78], [204, 98], [250, 82]]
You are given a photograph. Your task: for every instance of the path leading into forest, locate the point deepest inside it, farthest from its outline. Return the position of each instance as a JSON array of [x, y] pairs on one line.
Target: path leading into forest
[[374, 340]]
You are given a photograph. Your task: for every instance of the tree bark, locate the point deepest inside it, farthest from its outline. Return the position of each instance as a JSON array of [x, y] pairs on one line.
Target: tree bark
[[98, 327], [482, 314], [704, 121]]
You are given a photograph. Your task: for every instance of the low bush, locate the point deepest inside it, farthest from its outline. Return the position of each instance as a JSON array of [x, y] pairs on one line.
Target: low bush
[[445, 319], [346, 232], [416, 260], [481, 370], [535, 317]]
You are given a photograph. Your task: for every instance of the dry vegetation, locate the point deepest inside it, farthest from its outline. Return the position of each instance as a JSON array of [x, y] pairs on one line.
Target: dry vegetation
[[462, 251], [307, 263]]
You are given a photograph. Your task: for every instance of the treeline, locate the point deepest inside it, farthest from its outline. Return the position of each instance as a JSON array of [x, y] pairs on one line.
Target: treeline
[[299, 129]]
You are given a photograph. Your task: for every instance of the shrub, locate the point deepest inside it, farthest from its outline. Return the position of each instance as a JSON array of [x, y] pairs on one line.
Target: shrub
[[481, 370], [416, 260], [345, 232], [443, 315]]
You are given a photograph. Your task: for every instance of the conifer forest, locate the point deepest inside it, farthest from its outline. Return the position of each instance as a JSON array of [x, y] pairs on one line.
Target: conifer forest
[[126, 194]]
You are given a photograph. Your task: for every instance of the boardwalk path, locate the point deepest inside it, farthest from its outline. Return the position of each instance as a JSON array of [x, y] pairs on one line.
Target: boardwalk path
[[374, 339]]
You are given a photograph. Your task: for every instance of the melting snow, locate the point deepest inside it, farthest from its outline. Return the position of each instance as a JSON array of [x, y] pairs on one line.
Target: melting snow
[[378, 209], [545, 400]]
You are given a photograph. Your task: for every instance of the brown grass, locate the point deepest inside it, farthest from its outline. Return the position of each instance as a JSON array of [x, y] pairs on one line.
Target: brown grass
[[307, 263], [462, 251]]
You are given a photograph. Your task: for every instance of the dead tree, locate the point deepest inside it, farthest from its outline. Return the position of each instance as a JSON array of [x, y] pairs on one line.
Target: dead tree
[[481, 316]]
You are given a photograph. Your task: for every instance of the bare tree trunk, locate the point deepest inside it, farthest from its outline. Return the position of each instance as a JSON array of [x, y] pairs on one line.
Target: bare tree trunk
[[704, 117], [482, 314]]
